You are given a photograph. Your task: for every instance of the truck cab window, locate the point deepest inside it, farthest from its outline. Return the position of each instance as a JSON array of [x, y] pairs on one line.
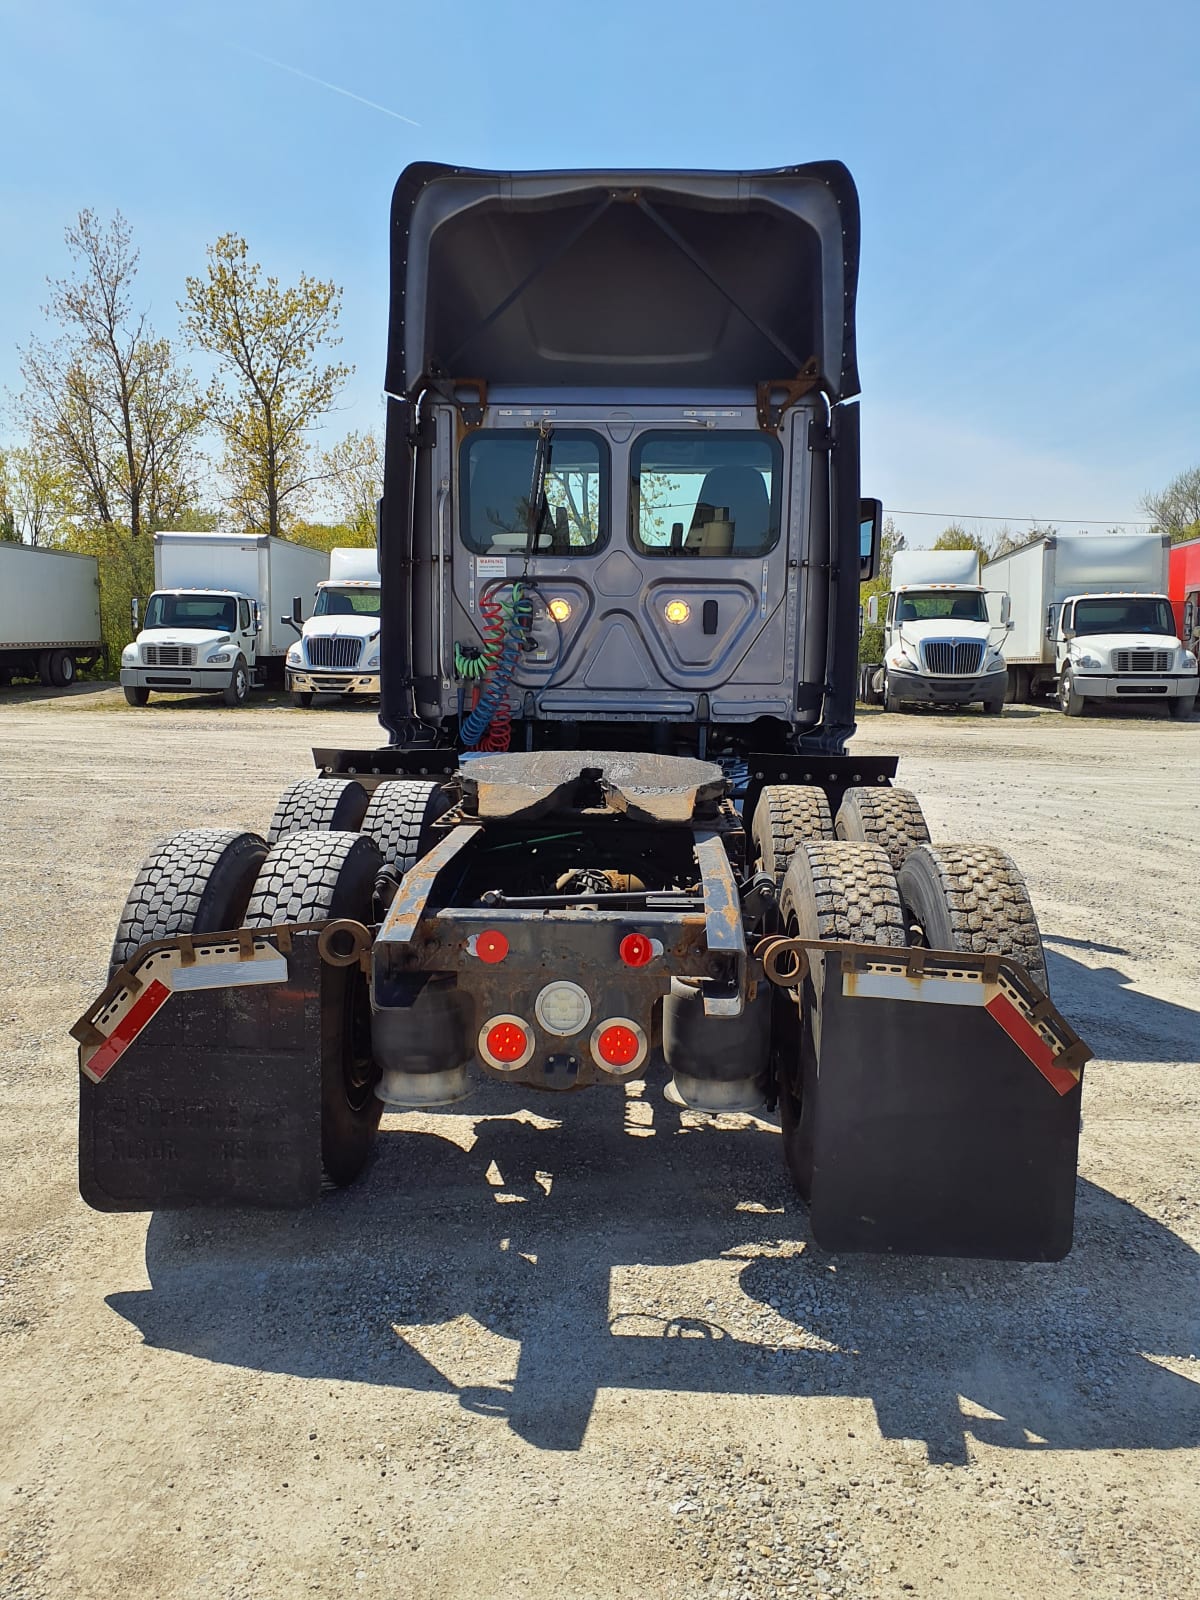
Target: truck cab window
[[244, 615], [1124, 614], [496, 475], [332, 602], [191, 611], [941, 608], [705, 495]]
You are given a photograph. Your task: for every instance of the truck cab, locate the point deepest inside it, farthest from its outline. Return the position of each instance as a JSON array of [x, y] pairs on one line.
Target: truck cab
[[338, 648], [1120, 646], [197, 639], [940, 645]]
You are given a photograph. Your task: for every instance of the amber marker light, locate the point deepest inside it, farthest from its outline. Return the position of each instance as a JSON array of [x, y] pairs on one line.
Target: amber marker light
[[677, 611], [560, 609]]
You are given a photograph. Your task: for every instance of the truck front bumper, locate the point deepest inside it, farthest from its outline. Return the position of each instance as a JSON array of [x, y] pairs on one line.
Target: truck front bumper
[[204, 680], [307, 682], [947, 691], [1134, 686]]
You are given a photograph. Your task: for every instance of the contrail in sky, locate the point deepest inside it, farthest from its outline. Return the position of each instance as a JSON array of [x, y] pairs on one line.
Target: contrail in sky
[[335, 87]]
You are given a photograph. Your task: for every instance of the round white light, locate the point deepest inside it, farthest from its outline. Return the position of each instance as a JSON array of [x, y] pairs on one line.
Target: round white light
[[677, 611], [562, 1008]]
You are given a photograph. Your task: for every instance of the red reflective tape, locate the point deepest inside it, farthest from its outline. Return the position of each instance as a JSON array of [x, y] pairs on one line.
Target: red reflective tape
[[1030, 1042], [127, 1030]]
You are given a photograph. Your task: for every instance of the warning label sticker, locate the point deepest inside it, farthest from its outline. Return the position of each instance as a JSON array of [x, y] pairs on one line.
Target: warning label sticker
[[491, 566]]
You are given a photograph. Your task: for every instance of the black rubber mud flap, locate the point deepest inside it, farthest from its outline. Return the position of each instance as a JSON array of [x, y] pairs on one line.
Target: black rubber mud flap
[[215, 1102], [934, 1133]]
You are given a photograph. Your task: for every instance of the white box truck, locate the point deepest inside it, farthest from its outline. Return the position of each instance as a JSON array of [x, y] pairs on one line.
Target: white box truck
[[213, 625], [1092, 622], [338, 648], [939, 645], [49, 614]]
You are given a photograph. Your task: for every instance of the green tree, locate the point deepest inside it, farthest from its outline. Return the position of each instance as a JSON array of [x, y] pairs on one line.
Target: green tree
[[106, 405], [275, 385], [956, 537], [870, 644], [35, 498], [353, 471], [1176, 510]]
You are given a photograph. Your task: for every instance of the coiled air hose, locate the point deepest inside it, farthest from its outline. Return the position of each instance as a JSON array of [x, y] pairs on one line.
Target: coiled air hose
[[487, 726]]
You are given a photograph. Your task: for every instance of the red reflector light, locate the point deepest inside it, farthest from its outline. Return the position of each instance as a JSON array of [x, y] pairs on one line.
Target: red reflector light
[[635, 950], [507, 1041], [491, 945], [618, 1045]]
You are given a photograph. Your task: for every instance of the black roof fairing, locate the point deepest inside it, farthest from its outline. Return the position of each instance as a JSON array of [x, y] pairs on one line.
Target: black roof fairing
[[618, 280]]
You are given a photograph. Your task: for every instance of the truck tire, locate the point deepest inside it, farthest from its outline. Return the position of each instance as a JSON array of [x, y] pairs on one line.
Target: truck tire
[[338, 803], [1017, 688], [302, 698], [45, 674], [238, 686], [890, 818], [842, 889], [399, 817], [891, 702], [972, 898], [993, 708], [135, 695], [62, 668], [311, 877], [867, 691], [1181, 707], [197, 881], [786, 815], [1069, 703]]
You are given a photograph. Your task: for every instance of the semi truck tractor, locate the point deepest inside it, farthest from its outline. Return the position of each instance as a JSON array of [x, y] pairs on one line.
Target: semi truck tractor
[[212, 625], [939, 645], [1092, 623], [338, 648], [614, 831], [49, 614], [1183, 587]]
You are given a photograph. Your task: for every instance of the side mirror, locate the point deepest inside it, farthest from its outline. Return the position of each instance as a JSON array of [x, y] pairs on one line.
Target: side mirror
[[1051, 617], [873, 610], [135, 608], [1005, 611], [870, 532], [297, 610]]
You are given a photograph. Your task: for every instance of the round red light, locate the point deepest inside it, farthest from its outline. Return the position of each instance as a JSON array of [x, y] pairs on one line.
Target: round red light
[[491, 946], [636, 950], [507, 1042], [618, 1045]]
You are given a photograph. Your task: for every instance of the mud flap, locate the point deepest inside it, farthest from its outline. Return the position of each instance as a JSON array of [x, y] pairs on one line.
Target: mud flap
[[208, 1061], [945, 1117]]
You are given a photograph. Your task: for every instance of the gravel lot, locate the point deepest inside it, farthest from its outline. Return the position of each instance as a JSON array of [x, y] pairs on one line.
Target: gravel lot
[[599, 1356]]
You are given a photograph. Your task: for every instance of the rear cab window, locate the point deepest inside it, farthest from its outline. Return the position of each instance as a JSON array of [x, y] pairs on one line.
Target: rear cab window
[[705, 495], [496, 470]]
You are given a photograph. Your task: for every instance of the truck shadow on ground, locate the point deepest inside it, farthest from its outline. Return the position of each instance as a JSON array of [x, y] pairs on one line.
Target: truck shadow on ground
[[1118, 1022], [551, 1261]]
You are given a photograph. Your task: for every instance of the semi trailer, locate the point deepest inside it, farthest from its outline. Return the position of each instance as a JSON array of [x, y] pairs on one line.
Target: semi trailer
[[1183, 584], [1092, 623], [615, 831], [212, 625], [940, 646], [49, 614], [338, 648]]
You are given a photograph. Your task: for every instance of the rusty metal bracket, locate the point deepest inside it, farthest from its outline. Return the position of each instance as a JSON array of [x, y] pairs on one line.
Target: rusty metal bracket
[[723, 931], [408, 907], [774, 398]]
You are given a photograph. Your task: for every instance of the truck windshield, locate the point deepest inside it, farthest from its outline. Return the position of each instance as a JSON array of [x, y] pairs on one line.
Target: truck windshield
[[347, 603], [213, 612], [713, 494], [1138, 613], [497, 475], [940, 606]]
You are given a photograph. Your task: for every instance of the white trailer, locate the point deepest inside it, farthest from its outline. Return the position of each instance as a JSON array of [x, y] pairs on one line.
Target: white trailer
[[49, 613], [940, 646], [1092, 621], [214, 622], [338, 648]]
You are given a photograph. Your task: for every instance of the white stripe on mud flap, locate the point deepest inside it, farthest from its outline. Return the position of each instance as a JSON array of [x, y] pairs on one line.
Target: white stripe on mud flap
[[931, 991], [226, 974]]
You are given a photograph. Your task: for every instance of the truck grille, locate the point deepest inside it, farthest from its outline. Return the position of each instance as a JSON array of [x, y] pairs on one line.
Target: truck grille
[[963, 657], [169, 655], [1141, 660], [334, 652]]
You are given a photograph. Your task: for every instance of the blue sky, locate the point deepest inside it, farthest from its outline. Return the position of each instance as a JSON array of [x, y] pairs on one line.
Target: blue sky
[[1029, 310]]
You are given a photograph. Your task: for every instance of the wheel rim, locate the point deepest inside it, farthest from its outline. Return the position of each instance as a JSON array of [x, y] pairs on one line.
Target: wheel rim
[[358, 1067], [1065, 691], [68, 670], [241, 684]]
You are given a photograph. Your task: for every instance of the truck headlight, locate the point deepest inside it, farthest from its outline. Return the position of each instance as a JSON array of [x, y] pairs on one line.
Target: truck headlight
[[1187, 661], [295, 656], [218, 660], [900, 659], [1085, 658], [129, 656], [373, 661]]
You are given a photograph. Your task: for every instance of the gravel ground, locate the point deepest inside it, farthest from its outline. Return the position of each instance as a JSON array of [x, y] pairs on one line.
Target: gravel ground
[[590, 1349]]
